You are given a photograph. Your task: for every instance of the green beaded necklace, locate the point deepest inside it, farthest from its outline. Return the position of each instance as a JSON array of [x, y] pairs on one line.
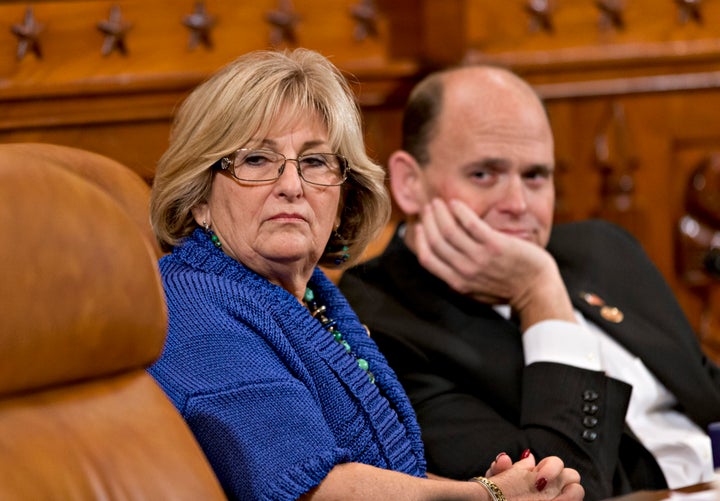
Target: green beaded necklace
[[318, 312]]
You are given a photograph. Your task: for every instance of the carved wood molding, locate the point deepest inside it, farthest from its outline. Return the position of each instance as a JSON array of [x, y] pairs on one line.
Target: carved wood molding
[[610, 56], [115, 29], [689, 10], [151, 97], [282, 22], [626, 86], [699, 226], [697, 243], [28, 34], [200, 23], [365, 15], [540, 13], [617, 162], [611, 14]]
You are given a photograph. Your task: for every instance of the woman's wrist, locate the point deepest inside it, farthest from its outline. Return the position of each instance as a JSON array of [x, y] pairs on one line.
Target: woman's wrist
[[495, 492]]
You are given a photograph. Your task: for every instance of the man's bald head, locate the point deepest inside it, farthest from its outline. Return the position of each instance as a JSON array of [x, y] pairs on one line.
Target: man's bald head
[[454, 91]]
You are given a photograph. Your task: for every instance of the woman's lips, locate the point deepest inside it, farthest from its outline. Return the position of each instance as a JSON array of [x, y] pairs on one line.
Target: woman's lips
[[287, 217]]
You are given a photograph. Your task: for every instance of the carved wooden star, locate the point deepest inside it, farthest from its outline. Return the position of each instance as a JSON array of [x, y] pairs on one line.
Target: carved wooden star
[[283, 23], [540, 19], [689, 10], [200, 24], [611, 13], [365, 16], [27, 34], [114, 29]]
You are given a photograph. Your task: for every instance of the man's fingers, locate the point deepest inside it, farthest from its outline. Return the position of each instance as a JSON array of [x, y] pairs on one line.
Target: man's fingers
[[441, 232], [429, 259]]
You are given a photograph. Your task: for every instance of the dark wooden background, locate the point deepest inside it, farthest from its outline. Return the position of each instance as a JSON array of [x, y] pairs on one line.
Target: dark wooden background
[[632, 89]]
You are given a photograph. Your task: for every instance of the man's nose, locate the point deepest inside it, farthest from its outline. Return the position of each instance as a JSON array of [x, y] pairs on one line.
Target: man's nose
[[513, 197]]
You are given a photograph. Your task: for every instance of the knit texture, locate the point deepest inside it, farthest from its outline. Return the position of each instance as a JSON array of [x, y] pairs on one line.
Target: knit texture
[[274, 401]]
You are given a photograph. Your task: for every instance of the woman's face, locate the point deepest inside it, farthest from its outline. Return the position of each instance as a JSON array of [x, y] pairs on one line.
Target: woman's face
[[278, 229]]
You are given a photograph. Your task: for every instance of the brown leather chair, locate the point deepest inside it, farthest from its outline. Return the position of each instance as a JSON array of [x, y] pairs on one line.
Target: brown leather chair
[[82, 316], [125, 186]]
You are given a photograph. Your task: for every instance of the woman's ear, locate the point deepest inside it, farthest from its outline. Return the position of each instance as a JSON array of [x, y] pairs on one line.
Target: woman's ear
[[406, 182], [201, 214]]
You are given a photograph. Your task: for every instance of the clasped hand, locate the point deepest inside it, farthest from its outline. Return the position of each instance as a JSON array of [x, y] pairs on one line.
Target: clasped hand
[[551, 479]]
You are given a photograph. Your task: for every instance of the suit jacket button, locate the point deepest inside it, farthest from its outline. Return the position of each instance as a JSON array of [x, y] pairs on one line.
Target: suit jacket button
[[590, 408], [590, 395], [589, 436], [590, 422]]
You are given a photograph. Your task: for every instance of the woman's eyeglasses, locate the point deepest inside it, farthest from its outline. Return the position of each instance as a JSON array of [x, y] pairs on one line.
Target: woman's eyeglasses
[[257, 166]]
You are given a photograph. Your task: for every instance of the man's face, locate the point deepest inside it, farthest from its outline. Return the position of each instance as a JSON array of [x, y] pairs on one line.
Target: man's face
[[494, 152]]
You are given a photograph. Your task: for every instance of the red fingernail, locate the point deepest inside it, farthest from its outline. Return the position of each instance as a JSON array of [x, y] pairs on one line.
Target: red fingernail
[[525, 454], [500, 455], [540, 484]]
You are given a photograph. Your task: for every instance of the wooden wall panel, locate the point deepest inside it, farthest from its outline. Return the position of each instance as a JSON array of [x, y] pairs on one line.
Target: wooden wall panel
[[670, 133], [648, 89], [506, 27], [121, 104], [158, 43]]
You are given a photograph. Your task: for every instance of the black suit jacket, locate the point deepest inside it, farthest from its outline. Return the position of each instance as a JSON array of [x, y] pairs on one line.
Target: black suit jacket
[[462, 363]]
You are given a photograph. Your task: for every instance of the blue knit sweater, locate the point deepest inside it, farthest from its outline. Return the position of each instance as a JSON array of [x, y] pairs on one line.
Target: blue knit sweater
[[273, 400]]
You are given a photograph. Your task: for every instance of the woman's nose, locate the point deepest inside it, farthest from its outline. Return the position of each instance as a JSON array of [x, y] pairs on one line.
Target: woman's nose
[[290, 180]]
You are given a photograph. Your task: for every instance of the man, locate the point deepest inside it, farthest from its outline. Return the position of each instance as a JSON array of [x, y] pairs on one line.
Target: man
[[508, 338]]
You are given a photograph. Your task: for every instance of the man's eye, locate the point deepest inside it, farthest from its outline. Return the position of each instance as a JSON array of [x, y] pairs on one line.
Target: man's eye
[[538, 174]]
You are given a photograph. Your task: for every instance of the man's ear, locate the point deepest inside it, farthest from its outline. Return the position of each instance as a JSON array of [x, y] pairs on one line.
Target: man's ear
[[406, 182], [201, 214]]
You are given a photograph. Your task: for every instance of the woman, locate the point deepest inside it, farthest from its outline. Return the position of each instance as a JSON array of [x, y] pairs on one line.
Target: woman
[[265, 178]]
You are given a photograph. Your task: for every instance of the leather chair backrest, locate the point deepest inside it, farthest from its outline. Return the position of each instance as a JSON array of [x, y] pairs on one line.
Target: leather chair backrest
[[124, 185], [83, 315]]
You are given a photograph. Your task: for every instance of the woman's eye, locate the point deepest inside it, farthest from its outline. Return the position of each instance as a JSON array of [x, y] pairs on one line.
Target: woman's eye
[[256, 160], [314, 161]]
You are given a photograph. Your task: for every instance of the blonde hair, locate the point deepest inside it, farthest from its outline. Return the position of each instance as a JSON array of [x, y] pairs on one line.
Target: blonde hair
[[241, 102]]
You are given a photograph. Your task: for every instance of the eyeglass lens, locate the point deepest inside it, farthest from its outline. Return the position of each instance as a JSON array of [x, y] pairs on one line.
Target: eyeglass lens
[[265, 165]]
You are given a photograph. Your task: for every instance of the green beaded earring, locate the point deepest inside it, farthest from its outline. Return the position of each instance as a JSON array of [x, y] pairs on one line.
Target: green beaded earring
[[211, 234], [338, 248]]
